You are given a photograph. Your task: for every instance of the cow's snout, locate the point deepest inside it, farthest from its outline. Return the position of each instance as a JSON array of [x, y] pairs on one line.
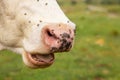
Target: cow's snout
[[58, 37]]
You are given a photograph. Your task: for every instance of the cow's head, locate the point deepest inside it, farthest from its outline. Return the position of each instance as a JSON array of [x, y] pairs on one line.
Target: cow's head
[[36, 29]]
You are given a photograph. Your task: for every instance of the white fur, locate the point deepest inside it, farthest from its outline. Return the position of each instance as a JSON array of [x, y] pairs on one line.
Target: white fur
[[18, 23]]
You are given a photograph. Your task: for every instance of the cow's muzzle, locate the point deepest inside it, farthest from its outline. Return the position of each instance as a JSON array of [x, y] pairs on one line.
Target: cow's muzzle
[[58, 37], [55, 38]]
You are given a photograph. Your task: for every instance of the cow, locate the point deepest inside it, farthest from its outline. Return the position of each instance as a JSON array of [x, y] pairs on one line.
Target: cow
[[36, 29]]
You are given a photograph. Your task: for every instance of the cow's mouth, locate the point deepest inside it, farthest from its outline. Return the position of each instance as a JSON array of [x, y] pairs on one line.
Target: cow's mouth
[[40, 60]]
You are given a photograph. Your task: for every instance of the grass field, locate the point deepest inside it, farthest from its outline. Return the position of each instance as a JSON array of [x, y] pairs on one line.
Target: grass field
[[95, 55]]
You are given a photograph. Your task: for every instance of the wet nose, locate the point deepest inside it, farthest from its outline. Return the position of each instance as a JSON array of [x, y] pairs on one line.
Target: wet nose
[[58, 37]]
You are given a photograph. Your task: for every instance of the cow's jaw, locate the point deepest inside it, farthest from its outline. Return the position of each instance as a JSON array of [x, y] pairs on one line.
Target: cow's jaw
[[33, 60], [38, 60]]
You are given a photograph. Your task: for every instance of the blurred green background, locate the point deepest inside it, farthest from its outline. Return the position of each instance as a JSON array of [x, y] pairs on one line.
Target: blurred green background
[[96, 52]]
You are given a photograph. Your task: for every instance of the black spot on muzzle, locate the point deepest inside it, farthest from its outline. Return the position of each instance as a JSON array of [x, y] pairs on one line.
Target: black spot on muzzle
[[65, 43]]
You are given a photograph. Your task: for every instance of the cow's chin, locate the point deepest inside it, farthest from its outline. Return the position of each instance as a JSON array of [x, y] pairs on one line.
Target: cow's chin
[[38, 60]]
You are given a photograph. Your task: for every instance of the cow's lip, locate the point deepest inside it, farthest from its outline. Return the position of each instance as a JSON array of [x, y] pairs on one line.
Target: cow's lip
[[40, 60]]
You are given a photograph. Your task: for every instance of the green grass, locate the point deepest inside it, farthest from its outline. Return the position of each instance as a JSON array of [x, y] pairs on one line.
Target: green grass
[[95, 55]]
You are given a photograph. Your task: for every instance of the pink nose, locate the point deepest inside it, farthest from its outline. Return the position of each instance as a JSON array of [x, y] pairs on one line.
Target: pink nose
[[58, 37]]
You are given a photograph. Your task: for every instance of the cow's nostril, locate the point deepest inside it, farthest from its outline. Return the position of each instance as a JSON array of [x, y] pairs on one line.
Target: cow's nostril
[[49, 33]]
